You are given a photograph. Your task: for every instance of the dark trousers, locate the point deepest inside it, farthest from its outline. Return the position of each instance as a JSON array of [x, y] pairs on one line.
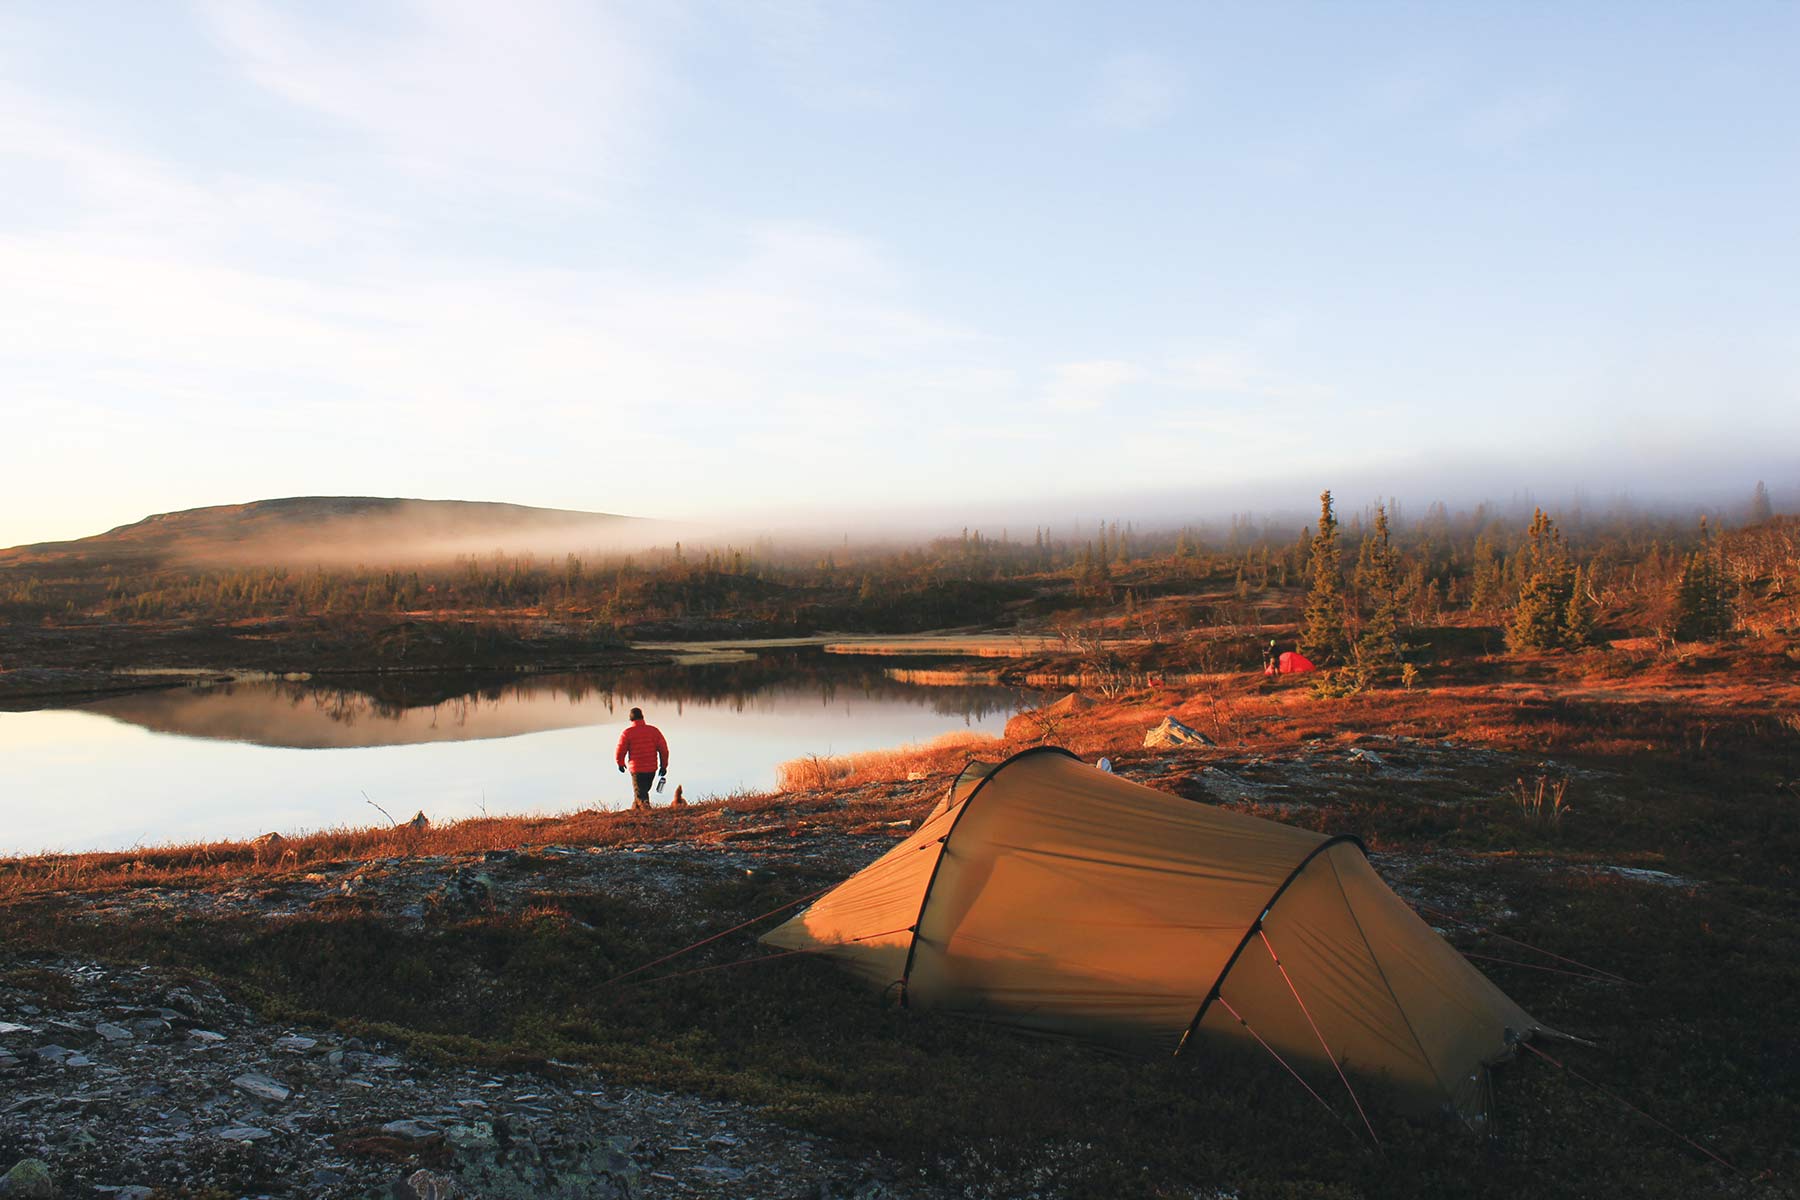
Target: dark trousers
[[640, 786]]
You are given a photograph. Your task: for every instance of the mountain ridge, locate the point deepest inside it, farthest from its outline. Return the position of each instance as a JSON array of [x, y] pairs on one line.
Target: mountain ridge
[[336, 530]]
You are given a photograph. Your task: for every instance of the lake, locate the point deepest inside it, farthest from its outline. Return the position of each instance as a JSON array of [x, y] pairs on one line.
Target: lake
[[237, 760]]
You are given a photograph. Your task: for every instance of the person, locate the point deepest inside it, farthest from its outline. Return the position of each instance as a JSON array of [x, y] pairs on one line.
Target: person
[[648, 750], [1271, 660]]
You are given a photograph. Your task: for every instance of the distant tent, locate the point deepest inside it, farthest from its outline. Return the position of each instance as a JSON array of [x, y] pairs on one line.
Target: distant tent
[[1295, 663], [1049, 896]]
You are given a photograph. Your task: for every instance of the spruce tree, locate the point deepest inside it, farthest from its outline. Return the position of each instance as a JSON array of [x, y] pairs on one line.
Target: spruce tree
[[1761, 509], [1702, 597], [1537, 619], [1487, 584], [1323, 638], [1378, 649], [1578, 615]]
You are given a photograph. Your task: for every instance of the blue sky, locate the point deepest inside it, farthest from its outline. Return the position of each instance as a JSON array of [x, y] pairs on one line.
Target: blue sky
[[762, 260]]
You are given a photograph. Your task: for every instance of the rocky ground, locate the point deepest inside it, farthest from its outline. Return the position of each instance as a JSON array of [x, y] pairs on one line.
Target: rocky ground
[[143, 1084]]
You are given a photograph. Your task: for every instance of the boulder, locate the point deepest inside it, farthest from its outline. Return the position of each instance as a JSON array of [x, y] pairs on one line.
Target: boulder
[[29, 1179], [1172, 733]]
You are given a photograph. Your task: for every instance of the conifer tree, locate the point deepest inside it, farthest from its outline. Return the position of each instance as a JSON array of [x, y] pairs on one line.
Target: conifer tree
[[1378, 649], [1761, 509], [1488, 581], [1537, 619], [1323, 637], [1578, 616], [1702, 599]]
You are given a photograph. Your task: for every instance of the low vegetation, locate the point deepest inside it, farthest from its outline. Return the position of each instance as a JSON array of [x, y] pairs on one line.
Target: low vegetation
[[1660, 857], [1575, 733]]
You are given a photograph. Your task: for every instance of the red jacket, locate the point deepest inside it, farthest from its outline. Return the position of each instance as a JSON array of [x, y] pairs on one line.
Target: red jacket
[[643, 744]]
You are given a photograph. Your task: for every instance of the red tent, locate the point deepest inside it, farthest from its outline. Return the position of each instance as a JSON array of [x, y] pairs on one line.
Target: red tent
[[1293, 663]]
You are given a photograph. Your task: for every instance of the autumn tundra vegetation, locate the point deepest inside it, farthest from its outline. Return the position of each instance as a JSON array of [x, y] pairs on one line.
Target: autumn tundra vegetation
[[1568, 738]]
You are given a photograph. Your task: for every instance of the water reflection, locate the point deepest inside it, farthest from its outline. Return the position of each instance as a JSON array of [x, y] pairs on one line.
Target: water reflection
[[402, 711], [239, 760]]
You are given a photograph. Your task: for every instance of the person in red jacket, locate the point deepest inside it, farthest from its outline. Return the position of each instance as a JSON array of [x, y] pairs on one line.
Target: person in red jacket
[[647, 749]]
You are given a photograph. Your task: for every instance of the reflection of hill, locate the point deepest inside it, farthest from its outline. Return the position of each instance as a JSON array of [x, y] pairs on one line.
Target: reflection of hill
[[392, 711]]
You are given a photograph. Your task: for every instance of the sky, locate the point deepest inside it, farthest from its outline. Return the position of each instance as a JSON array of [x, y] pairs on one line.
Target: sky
[[765, 260]]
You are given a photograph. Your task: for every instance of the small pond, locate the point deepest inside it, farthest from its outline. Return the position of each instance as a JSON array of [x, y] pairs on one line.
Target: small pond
[[237, 760]]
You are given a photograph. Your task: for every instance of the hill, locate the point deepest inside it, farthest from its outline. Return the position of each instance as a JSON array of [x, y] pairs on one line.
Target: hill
[[333, 531]]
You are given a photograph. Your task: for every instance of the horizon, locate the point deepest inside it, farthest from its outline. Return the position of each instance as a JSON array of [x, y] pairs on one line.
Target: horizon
[[387, 541], [883, 266]]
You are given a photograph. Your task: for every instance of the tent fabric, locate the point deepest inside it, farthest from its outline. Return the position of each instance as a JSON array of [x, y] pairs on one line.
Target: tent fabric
[[1294, 663], [1045, 895]]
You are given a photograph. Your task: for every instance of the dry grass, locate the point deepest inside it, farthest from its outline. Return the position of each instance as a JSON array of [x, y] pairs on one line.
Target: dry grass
[[208, 864], [1543, 801], [945, 753]]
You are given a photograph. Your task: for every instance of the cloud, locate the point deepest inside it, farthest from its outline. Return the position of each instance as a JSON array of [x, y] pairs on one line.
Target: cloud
[[1234, 373], [1078, 387], [1133, 91], [1515, 118], [516, 96]]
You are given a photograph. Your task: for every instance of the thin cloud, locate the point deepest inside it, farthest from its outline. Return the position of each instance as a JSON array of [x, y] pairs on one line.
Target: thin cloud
[[1516, 118], [1133, 91], [1079, 387], [1232, 373], [522, 94]]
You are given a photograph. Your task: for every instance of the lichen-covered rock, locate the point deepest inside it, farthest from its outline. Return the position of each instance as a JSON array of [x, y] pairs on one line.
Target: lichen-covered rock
[[29, 1179]]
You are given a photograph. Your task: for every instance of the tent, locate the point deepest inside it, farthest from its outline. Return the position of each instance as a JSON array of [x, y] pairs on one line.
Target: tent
[[1294, 663], [1048, 896]]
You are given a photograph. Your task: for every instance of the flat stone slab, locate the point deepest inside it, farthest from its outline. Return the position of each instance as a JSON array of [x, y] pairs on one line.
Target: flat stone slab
[[262, 1087]]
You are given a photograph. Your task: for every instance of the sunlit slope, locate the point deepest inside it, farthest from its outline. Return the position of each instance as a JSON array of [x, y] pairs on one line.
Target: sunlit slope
[[337, 530]]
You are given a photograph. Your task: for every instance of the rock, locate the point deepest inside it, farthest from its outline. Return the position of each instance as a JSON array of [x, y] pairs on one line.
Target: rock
[[7, 1027], [717, 1170], [52, 1053], [269, 847], [29, 1179], [1172, 733], [242, 1133], [426, 1185], [472, 1139], [1364, 758], [113, 1033], [131, 1192], [411, 1131], [186, 1003], [262, 1087], [205, 1037], [295, 1044], [420, 822]]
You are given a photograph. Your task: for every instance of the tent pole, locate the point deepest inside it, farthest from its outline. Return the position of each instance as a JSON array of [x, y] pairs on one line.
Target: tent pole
[[1256, 927]]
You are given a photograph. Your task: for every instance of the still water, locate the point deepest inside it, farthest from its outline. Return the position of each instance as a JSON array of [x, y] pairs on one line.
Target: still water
[[237, 760]]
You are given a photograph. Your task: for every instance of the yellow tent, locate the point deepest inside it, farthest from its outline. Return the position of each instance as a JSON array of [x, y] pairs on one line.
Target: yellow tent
[[1050, 896]]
